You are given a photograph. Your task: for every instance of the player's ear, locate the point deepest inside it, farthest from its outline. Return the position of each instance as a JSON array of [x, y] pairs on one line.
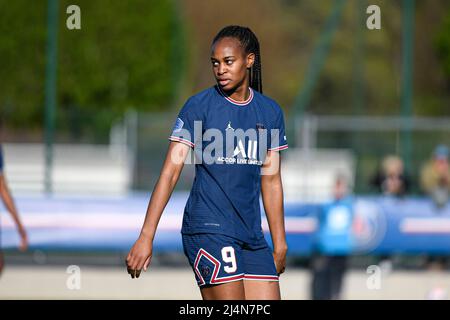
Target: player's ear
[[250, 60]]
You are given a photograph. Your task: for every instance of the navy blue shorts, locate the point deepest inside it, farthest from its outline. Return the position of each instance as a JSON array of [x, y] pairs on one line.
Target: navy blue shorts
[[216, 259]]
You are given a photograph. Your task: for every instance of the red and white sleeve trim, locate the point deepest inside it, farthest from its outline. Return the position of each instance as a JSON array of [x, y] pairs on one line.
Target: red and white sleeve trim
[[279, 148], [184, 141]]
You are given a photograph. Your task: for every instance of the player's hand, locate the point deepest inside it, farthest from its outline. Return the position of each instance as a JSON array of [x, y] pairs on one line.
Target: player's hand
[[279, 258], [139, 256], [23, 240]]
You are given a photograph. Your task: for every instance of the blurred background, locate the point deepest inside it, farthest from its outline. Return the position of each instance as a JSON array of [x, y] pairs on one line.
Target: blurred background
[[85, 115]]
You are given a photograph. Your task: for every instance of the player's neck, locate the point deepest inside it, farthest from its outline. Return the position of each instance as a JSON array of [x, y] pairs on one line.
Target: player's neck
[[239, 94]]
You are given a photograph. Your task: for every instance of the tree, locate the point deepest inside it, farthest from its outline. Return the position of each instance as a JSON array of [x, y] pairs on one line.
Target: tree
[[124, 56]]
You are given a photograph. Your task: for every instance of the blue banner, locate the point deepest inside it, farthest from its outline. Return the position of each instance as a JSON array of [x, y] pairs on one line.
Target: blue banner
[[380, 225]]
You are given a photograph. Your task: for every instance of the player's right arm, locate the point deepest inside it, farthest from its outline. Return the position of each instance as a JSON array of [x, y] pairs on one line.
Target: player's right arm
[[141, 253]]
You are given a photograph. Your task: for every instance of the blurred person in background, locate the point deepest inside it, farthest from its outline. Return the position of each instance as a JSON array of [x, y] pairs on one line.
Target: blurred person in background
[[435, 176], [9, 204], [333, 243], [435, 182], [391, 179]]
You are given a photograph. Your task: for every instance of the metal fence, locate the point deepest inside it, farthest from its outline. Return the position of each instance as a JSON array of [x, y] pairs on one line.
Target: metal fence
[[368, 139], [372, 138], [142, 140]]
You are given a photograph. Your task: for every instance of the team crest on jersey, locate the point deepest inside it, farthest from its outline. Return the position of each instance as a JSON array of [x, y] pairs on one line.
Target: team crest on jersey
[[178, 125], [206, 271]]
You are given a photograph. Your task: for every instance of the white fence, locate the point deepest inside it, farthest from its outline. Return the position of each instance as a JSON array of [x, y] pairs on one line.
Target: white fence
[[309, 174], [100, 169]]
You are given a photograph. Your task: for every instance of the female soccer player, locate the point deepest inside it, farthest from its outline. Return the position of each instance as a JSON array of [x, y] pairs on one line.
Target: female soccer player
[[9, 203], [236, 133]]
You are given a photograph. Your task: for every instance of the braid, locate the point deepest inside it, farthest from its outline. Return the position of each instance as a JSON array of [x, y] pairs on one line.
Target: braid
[[250, 43]]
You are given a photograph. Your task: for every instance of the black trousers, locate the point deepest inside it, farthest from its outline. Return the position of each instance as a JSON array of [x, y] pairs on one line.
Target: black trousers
[[327, 276]]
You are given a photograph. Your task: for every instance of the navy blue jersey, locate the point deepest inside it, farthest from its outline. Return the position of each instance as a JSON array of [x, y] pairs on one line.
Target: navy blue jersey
[[230, 141]]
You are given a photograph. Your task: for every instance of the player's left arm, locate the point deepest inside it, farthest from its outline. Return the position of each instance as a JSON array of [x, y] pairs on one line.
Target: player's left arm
[[272, 196], [10, 206]]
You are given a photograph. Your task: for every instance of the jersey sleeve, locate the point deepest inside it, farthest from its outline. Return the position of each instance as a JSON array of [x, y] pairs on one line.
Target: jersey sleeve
[[277, 135], [183, 128]]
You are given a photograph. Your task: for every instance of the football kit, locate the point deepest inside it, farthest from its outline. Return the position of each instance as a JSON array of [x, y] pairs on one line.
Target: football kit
[[222, 234]]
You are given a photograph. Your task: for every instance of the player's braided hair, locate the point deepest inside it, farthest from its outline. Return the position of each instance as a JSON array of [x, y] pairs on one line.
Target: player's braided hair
[[250, 44]]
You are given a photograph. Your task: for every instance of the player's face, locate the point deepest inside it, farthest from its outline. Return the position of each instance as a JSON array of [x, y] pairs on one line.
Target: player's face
[[230, 63]]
